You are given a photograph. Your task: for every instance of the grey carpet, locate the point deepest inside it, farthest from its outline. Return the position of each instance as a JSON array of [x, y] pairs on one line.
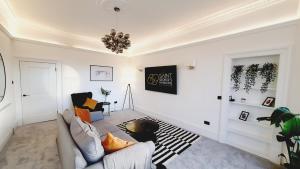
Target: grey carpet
[[34, 147], [209, 154]]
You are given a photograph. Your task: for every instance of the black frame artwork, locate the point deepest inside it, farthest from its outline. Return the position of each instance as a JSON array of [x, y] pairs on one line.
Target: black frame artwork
[[269, 102], [111, 69], [161, 79], [244, 115]]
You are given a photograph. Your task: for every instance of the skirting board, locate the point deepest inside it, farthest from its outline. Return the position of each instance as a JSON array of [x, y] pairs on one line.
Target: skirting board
[[190, 127]]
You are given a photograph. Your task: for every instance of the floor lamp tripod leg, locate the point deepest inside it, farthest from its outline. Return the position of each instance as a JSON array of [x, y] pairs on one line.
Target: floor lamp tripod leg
[[125, 98]]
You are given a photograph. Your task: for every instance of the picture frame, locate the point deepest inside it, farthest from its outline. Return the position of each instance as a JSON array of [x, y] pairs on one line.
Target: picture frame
[[101, 73], [244, 115], [269, 102]]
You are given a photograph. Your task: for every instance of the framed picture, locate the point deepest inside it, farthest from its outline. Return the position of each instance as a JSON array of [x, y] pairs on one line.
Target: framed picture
[[269, 102], [244, 115], [161, 79], [101, 73]]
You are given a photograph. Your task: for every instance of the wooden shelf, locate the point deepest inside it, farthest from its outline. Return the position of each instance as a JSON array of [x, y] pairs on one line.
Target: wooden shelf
[[253, 105], [257, 124], [261, 138]]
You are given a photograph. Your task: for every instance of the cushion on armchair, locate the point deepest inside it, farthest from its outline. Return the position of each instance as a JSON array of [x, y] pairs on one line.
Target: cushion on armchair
[[79, 100], [90, 103]]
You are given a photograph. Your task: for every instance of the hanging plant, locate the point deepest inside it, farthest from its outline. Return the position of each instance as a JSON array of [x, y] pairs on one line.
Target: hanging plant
[[236, 76], [251, 74], [269, 73]]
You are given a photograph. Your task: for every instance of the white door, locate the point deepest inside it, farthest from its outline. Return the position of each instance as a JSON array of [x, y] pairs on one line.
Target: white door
[[38, 83]]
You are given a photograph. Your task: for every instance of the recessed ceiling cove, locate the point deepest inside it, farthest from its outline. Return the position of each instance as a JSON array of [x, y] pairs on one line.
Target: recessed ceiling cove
[[152, 24]]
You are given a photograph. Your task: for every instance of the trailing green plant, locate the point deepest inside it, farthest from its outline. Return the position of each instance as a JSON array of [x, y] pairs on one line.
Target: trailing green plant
[[105, 92], [269, 73], [251, 74], [236, 76], [289, 124]]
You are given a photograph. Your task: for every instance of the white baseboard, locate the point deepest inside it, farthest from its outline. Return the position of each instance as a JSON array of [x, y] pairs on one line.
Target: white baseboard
[[190, 127], [5, 139]]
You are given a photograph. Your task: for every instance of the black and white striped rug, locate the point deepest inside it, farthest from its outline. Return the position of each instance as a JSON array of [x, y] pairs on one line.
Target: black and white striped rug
[[171, 141]]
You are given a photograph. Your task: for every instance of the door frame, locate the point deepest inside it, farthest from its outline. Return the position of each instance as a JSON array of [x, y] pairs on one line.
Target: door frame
[[18, 87]]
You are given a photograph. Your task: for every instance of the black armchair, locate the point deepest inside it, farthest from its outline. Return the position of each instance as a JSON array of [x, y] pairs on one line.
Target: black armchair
[[79, 99]]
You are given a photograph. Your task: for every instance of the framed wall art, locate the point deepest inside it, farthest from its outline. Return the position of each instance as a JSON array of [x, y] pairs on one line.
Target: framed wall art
[[101, 73], [161, 79], [244, 115], [269, 102]]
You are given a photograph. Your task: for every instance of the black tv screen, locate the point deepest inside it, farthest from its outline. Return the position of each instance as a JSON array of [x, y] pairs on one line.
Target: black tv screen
[[161, 79]]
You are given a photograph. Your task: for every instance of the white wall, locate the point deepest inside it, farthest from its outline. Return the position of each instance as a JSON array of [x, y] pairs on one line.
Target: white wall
[[7, 106], [198, 89], [294, 91], [74, 65]]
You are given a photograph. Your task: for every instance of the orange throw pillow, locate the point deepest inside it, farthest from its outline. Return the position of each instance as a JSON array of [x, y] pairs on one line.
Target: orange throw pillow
[[112, 143], [83, 114], [90, 103]]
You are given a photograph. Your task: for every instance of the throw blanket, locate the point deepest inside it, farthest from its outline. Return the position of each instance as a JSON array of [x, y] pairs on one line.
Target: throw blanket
[[137, 156]]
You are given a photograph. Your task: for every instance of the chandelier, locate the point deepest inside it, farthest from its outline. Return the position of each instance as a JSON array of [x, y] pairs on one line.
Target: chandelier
[[116, 41]]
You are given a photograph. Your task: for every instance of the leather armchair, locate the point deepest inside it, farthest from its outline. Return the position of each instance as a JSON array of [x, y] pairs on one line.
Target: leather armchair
[[79, 99]]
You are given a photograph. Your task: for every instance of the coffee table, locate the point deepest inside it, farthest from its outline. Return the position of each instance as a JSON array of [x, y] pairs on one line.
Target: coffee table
[[143, 130]]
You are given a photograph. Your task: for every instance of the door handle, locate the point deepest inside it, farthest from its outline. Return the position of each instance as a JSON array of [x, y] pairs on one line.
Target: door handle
[[25, 95]]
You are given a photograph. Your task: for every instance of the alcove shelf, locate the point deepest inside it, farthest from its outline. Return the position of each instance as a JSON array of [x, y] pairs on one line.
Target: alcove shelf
[[253, 105], [250, 135]]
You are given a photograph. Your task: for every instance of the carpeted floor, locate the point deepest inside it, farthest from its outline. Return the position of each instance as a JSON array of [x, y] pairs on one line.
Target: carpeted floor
[[34, 147]]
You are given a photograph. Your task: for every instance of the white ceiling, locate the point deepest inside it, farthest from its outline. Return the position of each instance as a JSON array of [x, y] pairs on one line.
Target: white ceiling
[[148, 21]]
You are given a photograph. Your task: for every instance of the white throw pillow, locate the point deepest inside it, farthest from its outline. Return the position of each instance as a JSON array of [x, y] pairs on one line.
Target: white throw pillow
[[87, 139]]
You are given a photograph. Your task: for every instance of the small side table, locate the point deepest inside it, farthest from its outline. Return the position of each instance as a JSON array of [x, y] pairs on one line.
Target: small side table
[[107, 104]]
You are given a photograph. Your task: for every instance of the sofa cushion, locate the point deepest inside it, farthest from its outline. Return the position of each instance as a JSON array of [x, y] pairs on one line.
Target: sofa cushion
[[68, 116], [104, 127], [70, 156], [87, 140], [122, 135], [80, 162], [83, 114], [96, 116], [112, 143]]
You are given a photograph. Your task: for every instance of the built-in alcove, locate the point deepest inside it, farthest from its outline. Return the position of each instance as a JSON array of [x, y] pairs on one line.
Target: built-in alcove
[[241, 107]]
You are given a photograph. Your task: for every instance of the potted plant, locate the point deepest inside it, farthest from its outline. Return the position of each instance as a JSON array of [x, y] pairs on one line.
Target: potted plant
[[251, 74], [105, 93], [289, 124], [269, 73], [236, 76]]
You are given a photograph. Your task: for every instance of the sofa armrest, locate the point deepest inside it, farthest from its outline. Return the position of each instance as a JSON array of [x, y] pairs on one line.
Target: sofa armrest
[[135, 156]]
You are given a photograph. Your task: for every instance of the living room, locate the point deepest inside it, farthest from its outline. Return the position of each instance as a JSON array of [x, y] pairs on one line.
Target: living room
[[204, 41]]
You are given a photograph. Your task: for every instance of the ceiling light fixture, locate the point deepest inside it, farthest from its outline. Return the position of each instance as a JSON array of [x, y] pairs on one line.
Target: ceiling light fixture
[[116, 41]]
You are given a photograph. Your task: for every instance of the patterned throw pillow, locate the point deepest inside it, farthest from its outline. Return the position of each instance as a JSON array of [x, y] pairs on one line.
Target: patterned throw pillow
[[112, 143], [83, 114], [90, 103]]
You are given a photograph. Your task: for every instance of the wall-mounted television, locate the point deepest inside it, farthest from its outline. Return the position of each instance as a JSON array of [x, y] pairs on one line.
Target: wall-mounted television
[[161, 79]]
